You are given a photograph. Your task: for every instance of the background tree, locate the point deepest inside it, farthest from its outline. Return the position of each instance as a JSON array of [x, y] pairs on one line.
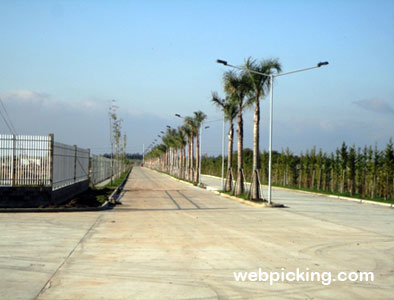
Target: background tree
[[343, 160], [389, 170], [369, 171]]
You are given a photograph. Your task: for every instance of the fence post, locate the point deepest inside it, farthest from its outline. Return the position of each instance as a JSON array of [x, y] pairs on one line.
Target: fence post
[[13, 159], [51, 160], [75, 163], [89, 167]]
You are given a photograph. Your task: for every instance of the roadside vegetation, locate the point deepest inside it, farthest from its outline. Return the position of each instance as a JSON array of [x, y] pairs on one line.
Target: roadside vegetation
[[365, 173], [94, 196]]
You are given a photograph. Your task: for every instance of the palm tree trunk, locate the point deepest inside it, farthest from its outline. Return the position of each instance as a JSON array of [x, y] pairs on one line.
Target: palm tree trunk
[[240, 178], [256, 152], [196, 173], [183, 162], [191, 158], [229, 178]]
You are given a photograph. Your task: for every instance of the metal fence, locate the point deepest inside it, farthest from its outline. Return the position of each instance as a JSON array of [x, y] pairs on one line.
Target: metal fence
[[25, 160], [102, 168], [70, 165]]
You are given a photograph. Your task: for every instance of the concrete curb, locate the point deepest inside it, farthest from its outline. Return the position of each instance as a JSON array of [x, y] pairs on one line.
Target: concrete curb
[[105, 206], [240, 200], [113, 198], [360, 201]]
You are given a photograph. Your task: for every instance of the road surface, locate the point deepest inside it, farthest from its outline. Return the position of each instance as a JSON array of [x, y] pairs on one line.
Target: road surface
[[170, 240]]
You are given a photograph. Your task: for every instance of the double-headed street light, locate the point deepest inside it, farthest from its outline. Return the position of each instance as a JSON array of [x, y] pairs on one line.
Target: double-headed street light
[[271, 76]]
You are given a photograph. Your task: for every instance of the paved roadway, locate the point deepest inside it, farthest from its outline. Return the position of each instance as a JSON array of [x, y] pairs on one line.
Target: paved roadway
[[170, 240]]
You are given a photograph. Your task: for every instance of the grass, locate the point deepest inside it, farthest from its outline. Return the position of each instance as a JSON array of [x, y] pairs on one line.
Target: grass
[[95, 197], [243, 196], [355, 196], [117, 182], [102, 193]]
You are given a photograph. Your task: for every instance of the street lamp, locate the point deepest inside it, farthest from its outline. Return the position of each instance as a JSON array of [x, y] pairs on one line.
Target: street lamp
[[271, 76], [199, 165]]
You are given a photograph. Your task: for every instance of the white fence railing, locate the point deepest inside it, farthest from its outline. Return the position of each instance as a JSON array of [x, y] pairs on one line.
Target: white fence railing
[[27, 160], [70, 165], [102, 168]]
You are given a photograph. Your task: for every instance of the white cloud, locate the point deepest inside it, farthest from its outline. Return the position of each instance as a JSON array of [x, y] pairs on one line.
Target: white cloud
[[375, 104], [84, 123]]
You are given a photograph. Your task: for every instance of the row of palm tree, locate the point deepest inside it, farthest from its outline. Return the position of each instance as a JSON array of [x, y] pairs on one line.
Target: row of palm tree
[[244, 90], [363, 172], [171, 156]]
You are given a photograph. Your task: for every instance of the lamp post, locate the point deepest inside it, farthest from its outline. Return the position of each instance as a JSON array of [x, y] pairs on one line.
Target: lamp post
[[223, 151], [271, 77], [199, 162], [112, 110]]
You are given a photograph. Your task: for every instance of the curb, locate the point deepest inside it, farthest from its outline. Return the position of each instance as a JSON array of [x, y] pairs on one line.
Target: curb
[[246, 202], [113, 198], [105, 206], [360, 201]]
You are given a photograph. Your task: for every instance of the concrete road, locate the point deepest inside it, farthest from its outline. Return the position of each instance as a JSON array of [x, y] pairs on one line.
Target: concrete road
[[170, 240]]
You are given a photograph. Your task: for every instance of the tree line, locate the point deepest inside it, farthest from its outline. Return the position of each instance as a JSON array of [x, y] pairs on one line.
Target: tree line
[[171, 156], [363, 172], [242, 90]]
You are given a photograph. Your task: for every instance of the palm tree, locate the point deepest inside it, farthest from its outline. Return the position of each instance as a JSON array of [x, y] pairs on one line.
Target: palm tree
[[191, 125], [181, 144], [230, 110], [188, 136], [259, 86], [199, 118], [237, 87]]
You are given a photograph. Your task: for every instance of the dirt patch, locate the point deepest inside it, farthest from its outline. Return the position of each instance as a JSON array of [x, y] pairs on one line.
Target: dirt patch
[[90, 198]]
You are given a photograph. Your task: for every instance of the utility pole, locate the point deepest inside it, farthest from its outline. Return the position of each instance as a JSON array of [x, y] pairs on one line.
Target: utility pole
[[110, 113], [143, 154]]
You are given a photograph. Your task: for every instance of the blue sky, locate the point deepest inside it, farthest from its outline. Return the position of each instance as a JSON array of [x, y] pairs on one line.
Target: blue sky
[[62, 61]]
